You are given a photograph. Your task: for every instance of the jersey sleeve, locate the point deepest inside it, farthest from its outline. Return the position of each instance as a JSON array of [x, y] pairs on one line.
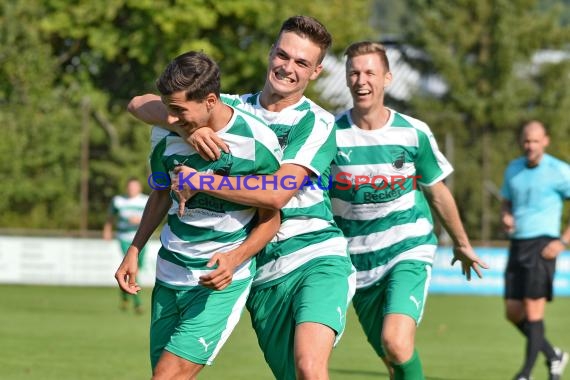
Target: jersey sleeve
[[311, 143], [158, 146], [564, 184], [431, 164], [232, 100]]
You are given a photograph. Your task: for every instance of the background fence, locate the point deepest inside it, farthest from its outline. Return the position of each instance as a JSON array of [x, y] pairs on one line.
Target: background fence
[[76, 261]]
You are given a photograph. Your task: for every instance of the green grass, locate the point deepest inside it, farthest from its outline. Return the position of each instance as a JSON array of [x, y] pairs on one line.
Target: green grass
[[79, 333]]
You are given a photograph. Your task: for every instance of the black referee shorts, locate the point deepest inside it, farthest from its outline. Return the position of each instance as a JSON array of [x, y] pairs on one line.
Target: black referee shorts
[[528, 274]]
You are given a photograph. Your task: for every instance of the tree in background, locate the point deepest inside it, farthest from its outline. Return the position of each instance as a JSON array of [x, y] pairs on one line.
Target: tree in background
[[38, 124], [488, 54], [70, 67]]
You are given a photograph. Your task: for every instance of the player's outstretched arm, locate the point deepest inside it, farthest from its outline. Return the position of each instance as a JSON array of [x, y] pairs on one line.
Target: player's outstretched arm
[[267, 226], [155, 209], [443, 204]]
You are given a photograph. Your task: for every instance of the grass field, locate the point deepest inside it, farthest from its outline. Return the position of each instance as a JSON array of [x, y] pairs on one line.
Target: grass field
[[51, 333]]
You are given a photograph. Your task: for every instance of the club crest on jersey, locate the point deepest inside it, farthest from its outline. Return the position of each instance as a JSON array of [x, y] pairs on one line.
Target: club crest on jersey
[[282, 132], [399, 161]]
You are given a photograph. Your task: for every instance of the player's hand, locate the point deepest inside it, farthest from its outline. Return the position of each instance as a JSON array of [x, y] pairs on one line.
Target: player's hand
[[182, 191], [469, 261], [508, 222], [222, 276], [126, 275], [552, 249], [207, 143]]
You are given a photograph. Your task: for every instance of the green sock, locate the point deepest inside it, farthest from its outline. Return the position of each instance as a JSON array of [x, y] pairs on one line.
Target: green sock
[[137, 300], [410, 370]]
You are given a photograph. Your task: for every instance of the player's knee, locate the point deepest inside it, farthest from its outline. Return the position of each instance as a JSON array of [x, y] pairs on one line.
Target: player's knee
[[179, 375], [398, 348], [309, 368], [514, 316]]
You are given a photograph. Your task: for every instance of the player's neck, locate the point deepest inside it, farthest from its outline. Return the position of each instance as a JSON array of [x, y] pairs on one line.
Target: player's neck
[[275, 102], [370, 118], [221, 116]]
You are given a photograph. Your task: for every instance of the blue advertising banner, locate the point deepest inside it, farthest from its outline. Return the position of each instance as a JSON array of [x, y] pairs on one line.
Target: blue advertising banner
[[448, 279]]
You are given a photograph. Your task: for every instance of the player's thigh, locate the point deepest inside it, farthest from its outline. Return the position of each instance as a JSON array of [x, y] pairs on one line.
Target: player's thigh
[[313, 347], [398, 335], [171, 367], [514, 310]]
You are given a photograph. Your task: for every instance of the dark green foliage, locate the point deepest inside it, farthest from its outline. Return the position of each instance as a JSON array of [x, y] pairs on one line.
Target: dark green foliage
[[485, 53], [72, 66]]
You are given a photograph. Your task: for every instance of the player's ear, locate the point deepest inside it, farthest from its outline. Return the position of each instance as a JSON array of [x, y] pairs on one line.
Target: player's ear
[[211, 101], [387, 79], [316, 72]]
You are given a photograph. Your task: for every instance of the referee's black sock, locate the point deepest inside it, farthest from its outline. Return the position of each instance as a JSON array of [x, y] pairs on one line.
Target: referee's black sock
[[546, 347], [534, 342]]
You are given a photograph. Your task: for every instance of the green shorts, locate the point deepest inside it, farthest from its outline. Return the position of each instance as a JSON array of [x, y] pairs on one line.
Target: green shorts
[[194, 324], [320, 292], [403, 290]]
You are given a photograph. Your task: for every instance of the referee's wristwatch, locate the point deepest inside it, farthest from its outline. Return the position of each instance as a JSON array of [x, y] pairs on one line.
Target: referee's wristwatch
[[564, 241]]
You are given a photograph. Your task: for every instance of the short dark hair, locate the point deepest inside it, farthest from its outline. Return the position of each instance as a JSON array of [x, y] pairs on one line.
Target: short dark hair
[[368, 47], [310, 28], [194, 73]]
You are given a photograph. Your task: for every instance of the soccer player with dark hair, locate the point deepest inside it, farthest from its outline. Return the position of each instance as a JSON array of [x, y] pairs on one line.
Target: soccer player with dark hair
[[205, 266]]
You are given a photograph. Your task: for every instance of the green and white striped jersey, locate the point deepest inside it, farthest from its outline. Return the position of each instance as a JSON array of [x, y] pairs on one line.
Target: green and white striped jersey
[[124, 208], [306, 135], [375, 194], [209, 224]]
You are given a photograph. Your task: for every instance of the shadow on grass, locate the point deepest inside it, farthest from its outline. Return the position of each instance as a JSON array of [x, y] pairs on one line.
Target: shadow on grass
[[358, 372], [375, 374]]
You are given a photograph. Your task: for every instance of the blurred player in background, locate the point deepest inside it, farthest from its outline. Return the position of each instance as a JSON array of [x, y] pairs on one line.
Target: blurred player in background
[[387, 169], [534, 189], [125, 213]]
